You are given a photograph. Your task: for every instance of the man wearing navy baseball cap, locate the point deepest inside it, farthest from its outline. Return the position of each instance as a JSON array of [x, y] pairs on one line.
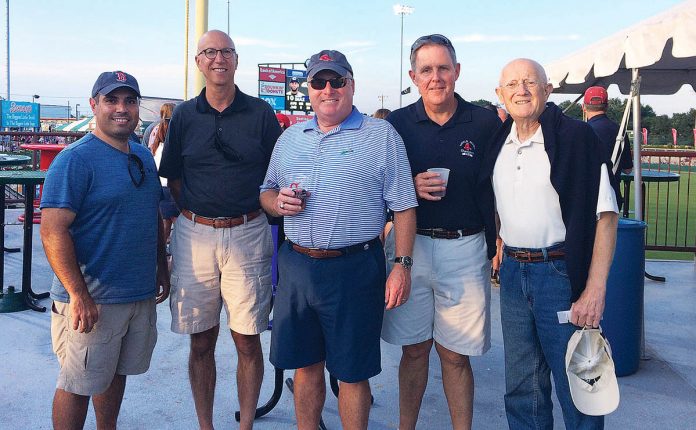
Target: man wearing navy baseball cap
[[102, 235], [331, 297]]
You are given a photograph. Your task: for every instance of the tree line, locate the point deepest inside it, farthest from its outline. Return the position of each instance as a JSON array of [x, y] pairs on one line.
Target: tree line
[[659, 126]]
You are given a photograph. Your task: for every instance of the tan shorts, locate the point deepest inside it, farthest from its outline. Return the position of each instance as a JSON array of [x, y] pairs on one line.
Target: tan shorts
[[121, 343], [450, 296], [212, 267]]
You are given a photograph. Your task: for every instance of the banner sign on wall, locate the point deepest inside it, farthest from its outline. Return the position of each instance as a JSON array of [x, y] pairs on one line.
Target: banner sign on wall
[[20, 114], [277, 103], [271, 74]]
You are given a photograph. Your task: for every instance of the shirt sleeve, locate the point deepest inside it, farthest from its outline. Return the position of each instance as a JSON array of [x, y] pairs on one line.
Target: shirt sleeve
[[606, 200], [67, 182], [399, 193]]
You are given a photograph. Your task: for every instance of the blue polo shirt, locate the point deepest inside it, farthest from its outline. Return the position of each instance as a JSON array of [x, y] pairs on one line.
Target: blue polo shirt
[[458, 145], [354, 173], [212, 185], [115, 227]]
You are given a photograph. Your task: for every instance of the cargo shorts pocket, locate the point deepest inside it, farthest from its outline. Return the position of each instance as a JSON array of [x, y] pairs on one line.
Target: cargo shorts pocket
[[90, 351]]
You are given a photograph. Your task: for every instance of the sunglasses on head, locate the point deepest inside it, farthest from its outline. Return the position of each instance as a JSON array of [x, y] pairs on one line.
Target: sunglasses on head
[[336, 83], [134, 162], [432, 38]]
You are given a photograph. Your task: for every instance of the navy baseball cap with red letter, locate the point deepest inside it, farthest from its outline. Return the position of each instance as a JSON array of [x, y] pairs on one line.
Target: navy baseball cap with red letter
[[109, 81], [328, 60]]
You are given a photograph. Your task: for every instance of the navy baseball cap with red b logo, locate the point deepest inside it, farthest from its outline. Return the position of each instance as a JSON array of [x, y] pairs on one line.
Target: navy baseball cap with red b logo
[[109, 81], [328, 60]]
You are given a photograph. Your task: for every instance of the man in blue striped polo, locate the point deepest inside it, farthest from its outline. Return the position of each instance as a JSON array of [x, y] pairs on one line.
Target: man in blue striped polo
[[333, 178]]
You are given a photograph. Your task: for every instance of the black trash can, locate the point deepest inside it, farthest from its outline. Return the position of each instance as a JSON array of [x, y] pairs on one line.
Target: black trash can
[[623, 314]]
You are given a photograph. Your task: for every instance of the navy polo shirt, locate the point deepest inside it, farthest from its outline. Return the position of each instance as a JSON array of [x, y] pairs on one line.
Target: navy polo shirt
[[458, 145], [212, 185]]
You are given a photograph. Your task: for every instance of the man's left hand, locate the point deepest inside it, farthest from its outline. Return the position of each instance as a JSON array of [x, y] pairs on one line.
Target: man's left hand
[[588, 310], [398, 287], [163, 283]]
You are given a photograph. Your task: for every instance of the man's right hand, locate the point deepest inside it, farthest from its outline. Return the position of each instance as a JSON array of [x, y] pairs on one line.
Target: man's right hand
[[287, 204], [83, 312], [427, 183]]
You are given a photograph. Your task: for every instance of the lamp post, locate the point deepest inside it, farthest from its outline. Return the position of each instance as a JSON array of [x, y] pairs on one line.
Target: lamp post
[[77, 116], [402, 10], [34, 98]]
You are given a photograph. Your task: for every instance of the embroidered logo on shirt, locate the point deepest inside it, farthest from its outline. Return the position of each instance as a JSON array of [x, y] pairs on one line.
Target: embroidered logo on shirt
[[346, 151], [467, 148]]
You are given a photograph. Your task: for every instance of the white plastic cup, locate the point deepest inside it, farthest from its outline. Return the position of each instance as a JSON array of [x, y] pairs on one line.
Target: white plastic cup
[[444, 175]]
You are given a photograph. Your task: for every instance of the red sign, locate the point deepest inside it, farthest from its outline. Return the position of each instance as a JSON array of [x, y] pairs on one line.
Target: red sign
[[271, 74], [294, 119]]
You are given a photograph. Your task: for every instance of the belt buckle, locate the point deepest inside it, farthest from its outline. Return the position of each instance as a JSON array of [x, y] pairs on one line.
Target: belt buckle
[[434, 232]]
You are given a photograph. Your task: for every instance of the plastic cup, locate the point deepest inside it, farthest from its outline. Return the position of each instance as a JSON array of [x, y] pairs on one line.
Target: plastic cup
[[444, 175]]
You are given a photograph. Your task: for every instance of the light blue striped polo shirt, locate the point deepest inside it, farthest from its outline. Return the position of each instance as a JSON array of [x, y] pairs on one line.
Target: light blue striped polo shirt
[[354, 173]]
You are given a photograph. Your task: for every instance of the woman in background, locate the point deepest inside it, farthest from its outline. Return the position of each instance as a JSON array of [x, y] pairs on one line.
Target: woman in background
[[168, 208]]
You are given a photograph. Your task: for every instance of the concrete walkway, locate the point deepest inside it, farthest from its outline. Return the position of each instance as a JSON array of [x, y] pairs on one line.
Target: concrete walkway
[[661, 395]]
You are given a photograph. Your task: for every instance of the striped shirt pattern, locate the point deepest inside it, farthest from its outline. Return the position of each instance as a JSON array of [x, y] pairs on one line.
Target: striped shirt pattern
[[353, 174]]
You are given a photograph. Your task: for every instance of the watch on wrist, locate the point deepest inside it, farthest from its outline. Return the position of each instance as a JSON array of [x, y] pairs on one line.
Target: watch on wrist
[[405, 261]]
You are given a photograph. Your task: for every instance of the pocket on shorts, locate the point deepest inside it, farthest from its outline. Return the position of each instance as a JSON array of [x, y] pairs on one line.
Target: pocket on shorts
[[59, 324], [90, 347]]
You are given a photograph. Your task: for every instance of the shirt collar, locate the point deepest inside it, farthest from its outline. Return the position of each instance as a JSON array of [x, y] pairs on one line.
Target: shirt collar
[[352, 122], [537, 137], [462, 114], [238, 104]]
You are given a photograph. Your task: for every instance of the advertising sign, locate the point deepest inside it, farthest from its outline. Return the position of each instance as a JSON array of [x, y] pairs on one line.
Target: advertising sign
[[271, 74], [271, 88], [20, 114], [277, 103], [296, 96]]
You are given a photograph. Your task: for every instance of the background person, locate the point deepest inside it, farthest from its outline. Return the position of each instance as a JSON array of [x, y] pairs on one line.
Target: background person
[[167, 205]]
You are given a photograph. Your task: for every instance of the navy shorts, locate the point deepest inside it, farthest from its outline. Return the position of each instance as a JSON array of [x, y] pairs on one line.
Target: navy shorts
[[167, 205], [329, 309]]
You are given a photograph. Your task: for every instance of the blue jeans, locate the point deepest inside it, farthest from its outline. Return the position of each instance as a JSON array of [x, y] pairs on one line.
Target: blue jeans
[[535, 345]]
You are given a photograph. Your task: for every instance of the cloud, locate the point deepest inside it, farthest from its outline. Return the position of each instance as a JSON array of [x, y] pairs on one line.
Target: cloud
[[356, 44], [488, 38], [248, 41]]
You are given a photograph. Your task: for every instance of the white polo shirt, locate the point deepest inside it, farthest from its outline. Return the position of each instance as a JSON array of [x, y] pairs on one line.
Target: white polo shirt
[[527, 203]]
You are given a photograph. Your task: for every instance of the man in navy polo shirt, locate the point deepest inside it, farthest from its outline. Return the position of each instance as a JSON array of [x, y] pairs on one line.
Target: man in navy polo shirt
[[333, 178], [450, 297], [595, 105], [215, 155]]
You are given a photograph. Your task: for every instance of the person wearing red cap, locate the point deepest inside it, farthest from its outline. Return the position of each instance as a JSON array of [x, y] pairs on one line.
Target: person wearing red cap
[[595, 106], [283, 121]]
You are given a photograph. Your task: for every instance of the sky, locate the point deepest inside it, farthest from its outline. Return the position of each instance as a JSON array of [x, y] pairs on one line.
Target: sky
[[58, 47]]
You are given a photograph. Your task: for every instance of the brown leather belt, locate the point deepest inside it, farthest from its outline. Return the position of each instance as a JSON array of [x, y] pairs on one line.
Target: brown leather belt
[[536, 256], [333, 253], [441, 233], [221, 222]]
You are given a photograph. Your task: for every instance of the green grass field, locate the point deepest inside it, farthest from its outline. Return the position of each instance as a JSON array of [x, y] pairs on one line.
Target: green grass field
[[671, 215]]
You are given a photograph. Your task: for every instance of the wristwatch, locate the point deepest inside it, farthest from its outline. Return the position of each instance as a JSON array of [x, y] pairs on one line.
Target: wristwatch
[[405, 261]]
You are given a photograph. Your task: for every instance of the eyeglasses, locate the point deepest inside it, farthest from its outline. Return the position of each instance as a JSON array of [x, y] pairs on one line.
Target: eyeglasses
[[526, 83], [135, 161], [336, 83], [433, 38], [227, 151], [211, 53]]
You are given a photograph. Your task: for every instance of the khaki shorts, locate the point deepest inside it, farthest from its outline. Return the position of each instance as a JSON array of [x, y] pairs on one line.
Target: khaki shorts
[[121, 343], [450, 296], [212, 267]]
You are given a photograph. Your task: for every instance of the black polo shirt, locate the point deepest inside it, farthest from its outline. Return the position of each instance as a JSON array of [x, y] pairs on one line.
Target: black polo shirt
[[458, 145], [212, 185]]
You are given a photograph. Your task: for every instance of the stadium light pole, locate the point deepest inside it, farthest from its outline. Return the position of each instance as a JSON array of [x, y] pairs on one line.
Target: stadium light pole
[[402, 10], [77, 116]]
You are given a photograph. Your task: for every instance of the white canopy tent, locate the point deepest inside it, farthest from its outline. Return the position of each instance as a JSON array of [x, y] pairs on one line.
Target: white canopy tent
[[656, 56]]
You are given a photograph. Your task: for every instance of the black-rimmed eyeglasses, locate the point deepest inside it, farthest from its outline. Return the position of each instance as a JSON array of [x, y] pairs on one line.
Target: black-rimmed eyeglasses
[[432, 38], [211, 53], [136, 164], [336, 83]]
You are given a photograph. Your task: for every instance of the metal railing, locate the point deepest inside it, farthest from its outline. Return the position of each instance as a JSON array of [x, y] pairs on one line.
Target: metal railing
[[670, 207]]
